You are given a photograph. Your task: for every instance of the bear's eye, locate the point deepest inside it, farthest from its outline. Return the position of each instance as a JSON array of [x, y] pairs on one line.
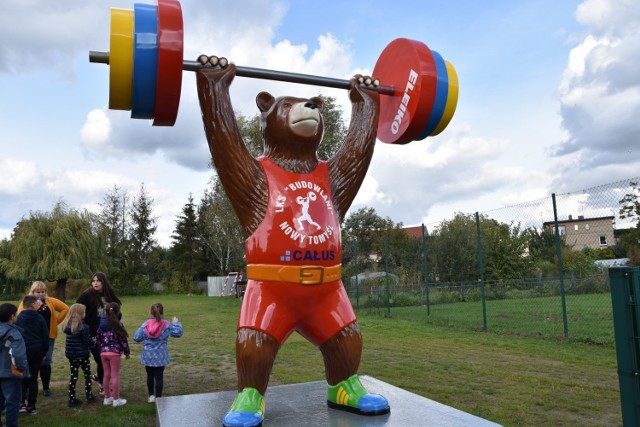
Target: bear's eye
[[286, 105]]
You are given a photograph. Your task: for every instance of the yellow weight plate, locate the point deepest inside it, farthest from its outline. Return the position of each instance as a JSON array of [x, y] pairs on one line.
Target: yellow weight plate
[[452, 100], [120, 59]]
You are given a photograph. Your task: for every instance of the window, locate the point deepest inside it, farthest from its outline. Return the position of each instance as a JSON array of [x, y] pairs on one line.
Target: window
[[561, 230], [586, 226], [603, 240], [575, 227]]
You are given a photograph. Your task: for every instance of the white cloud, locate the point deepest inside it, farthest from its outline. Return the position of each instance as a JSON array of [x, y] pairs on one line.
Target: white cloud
[[96, 130], [599, 92], [17, 176]]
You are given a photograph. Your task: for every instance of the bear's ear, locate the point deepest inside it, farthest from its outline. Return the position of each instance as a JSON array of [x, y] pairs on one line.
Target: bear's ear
[[319, 102], [264, 101]]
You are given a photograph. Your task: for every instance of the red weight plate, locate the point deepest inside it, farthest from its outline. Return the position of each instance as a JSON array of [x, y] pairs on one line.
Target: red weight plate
[[170, 54], [409, 67]]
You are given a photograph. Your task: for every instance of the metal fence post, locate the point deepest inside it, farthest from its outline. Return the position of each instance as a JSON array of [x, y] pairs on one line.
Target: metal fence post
[[386, 269], [425, 268], [481, 265], [625, 299], [560, 266]]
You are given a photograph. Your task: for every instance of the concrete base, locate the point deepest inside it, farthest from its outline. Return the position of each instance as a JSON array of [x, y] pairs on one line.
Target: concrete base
[[305, 404]]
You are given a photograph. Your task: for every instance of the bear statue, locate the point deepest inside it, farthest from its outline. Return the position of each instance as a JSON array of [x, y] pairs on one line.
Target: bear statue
[[290, 205]]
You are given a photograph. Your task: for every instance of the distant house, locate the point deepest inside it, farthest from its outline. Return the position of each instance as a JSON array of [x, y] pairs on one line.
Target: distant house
[[415, 231], [585, 232]]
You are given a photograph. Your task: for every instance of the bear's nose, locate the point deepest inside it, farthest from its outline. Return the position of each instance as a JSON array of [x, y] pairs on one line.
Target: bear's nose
[[311, 105]]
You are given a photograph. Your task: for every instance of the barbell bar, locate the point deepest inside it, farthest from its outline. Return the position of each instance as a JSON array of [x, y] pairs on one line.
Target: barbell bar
[[101, 57], [146, 64]]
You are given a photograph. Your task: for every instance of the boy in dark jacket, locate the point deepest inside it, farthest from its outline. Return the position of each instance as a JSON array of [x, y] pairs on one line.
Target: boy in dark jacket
[[36, 340], [77, 351], [11, 349]]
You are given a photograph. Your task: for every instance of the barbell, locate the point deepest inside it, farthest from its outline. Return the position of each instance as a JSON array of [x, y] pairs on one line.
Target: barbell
[[145, 60]]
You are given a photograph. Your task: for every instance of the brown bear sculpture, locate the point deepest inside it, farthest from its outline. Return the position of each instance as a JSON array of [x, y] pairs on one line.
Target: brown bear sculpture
[[290, 205]]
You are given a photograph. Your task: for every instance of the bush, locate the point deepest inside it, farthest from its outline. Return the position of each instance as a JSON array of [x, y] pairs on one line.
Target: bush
[[180, 283], [407, 299], [139, 285]]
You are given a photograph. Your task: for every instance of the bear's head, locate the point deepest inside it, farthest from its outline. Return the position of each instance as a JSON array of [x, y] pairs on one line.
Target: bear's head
[[292, 130]]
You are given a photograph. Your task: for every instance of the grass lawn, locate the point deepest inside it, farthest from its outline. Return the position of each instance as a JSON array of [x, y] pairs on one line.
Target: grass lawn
[[589, 317], [509, 379]]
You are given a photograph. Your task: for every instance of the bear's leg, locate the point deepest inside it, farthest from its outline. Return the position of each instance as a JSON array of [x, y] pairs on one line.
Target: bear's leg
[[255, 354], [341, 354]]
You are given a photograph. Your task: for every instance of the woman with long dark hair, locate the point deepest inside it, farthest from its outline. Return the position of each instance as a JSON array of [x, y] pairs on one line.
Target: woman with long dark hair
[[95, 299]]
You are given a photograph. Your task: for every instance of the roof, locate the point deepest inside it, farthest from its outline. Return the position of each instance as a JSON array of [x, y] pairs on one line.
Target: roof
[[415, 231], [579, 219]]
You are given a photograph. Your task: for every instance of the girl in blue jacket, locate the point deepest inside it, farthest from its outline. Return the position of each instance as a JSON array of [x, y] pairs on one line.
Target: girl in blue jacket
[[154, 334]]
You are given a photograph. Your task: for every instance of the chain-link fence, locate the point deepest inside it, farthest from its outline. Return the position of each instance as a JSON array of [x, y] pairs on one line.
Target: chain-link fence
[[538, 268]]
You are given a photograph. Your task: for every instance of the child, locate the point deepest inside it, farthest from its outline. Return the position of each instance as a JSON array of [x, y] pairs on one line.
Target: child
[[53, 311], [36, 340], [77, 351], [112, 342], [154, 333], [12, 350]]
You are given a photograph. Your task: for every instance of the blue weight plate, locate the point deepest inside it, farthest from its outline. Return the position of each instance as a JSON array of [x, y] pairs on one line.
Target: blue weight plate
[[442, 89], [145, 60]]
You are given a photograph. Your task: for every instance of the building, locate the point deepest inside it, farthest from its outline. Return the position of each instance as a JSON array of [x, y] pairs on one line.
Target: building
[[415, 231], [585, 232]]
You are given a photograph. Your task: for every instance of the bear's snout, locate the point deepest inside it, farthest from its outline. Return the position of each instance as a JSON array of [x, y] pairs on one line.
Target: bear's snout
[[305, 118]]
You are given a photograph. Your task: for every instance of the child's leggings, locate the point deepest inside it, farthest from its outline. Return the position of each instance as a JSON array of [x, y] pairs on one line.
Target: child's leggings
[[76, 365], [155, 374], [111, 366]]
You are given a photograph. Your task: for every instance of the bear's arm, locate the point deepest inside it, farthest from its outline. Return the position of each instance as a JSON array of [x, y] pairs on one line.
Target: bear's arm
[[239, 172], [348, 167]]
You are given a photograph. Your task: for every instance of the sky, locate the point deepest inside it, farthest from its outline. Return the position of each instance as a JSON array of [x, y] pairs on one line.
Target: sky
[[549, 100]]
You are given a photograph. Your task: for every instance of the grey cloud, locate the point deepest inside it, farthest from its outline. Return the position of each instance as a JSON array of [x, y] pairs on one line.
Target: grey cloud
[[601, 115]]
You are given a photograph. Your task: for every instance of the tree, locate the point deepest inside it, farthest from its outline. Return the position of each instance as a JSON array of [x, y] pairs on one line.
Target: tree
[[335, 129], [186, 239], [221, 234], [630, 208], [143, 228], [505, 250], [453, 250], [56, 245], [365, 228], [112, 220], [630, 204]]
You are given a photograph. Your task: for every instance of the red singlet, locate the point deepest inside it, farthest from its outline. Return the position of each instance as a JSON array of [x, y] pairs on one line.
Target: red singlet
[[300, 228]]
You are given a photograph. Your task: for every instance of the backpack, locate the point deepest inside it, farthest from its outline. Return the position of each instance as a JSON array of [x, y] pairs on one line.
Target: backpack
[[6, 346]]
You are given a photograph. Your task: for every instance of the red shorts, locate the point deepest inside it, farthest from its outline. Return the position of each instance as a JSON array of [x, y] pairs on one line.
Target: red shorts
[[317, 312]]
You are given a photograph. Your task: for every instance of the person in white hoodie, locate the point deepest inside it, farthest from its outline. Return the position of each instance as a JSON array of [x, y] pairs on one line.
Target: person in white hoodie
[[154, 334]]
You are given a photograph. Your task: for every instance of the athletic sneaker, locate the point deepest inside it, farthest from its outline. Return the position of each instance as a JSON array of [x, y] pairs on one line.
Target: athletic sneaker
[[151, 399], [31, 410], [119, 402], [350, 395], [23, 409], [108, 401], [247, 409]]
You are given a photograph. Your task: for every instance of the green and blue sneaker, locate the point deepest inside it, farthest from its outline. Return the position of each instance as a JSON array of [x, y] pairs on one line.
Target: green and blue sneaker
[[247, 410], [350, 395]]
